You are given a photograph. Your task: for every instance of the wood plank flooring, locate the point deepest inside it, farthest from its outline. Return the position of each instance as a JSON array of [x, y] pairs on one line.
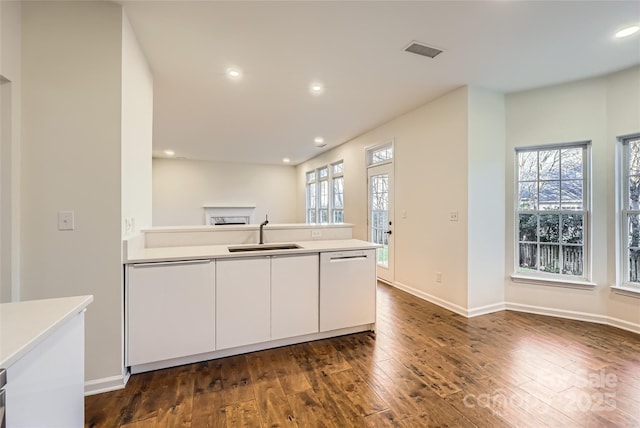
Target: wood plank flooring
[[425, 366]]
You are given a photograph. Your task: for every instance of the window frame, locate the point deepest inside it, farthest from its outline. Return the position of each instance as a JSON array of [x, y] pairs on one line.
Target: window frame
[[624, 213], [336, 175], [550, 277], [372, 151], [316, 183]]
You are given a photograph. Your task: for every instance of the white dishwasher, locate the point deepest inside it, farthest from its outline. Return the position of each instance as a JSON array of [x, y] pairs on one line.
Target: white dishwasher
[[347, 289]]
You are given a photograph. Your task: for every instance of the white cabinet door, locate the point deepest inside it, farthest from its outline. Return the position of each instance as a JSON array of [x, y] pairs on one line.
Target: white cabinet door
[[347, 289], [242, 302], [294, 295], [170, 310]]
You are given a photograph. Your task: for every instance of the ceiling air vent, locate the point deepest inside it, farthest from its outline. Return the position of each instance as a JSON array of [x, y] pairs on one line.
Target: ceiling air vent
[[424, 50]]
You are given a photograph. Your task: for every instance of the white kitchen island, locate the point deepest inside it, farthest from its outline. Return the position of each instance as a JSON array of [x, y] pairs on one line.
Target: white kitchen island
[[42, 349], [192, 303]]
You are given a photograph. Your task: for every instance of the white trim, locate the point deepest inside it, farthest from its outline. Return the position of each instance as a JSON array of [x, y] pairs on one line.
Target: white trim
[[484, 310], [586, 210], [106, 384], [221, 211], [467, 313], [624, 325], [626, 291], [560, 313], [565, 283], [371, 149], [518, 307], [574, 315], [433, 299]]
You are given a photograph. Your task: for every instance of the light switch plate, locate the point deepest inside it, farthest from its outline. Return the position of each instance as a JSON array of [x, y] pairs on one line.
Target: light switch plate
[[65, 220]]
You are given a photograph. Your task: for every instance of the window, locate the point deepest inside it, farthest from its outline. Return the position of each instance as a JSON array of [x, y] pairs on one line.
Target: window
[[630, 200], [311, 197], [337, 171], [325, 194], [552, 210], [380, 154]]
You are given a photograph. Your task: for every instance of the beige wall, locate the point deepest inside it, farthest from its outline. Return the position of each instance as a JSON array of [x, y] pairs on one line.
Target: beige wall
[[598, 110], [10, 114], [182, 187], [75, 62], [430, 181]]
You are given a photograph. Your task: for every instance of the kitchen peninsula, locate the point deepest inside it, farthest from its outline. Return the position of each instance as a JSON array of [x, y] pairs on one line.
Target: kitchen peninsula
[[42, 350], [197, 293]]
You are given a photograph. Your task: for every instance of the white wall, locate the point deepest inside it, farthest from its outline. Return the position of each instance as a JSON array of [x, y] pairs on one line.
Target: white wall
[[597, 110], [10, 114], [430, 182], [71, 133], [486, 175], [137, 125], [182, 187]]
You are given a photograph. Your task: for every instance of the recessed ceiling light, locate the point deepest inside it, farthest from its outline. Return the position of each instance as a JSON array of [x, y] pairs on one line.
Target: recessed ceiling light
[[626, 32], [286, 160], [319, 142], [316, 88], [169, 153], [234, 73]]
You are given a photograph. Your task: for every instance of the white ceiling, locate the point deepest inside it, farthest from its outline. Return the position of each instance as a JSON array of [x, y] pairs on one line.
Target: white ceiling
[[356, 50]]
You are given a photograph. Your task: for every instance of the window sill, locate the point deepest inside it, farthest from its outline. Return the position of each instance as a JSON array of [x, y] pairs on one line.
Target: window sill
[[626, 291], [564, 283]]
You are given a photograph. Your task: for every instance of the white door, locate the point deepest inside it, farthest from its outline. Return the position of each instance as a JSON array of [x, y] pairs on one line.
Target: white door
[[381, 218]]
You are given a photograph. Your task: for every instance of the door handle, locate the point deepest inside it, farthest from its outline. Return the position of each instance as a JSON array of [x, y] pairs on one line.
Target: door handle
[[389, 232]]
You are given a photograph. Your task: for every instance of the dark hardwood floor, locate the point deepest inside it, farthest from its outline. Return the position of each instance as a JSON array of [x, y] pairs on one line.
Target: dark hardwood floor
[[425, 367]]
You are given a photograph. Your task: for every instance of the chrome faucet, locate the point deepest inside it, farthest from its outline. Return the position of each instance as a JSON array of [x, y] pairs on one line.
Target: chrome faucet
[[262, 225]]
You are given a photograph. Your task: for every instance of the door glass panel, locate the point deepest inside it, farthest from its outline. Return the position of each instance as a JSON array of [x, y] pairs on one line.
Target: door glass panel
[[380, 216]]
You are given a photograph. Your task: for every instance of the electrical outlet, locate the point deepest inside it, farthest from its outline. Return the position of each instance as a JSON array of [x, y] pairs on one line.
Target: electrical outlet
[[453, 216], [316, 233], [65, 220], [438, 276]]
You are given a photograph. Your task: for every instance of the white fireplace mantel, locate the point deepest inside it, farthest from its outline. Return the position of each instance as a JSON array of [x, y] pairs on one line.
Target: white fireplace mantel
[[233, 213]]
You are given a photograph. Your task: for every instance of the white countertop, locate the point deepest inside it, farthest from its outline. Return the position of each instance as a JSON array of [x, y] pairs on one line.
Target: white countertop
[[166, 254], [252, 226], [23, 325]]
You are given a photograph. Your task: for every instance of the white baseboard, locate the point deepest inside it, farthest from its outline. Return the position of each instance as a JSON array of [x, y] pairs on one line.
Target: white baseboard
[[560, 313], [433, 299], [573, 315], [484, 310], [106, 384], [518, 307], [625, 325]]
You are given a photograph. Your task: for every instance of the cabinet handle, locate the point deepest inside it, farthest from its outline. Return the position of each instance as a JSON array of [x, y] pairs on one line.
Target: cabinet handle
[[347, 258], [177, 262]]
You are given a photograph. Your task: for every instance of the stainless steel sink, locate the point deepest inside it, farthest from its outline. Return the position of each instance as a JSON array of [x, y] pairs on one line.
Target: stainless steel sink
[[262, 247]]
